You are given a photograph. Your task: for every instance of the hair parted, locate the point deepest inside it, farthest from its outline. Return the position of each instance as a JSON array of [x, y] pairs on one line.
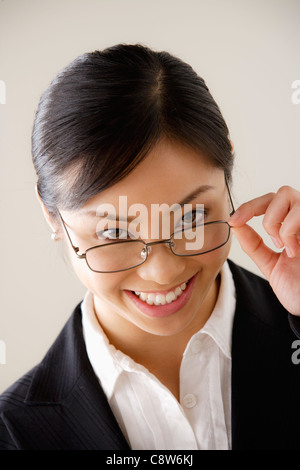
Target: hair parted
[[104, 112]]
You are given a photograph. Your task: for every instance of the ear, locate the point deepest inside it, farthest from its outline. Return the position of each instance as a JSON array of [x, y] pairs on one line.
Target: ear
[[51, 222], [232, 146]]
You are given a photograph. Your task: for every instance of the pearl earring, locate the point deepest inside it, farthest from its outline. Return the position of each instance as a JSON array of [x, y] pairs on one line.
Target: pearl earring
[[54, 236]]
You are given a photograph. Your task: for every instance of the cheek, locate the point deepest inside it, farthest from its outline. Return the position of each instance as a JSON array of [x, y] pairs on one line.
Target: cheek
[[211, 263], [100, 284]]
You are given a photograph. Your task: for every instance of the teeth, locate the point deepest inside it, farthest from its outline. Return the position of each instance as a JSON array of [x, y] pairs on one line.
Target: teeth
[[161, 299], [170, 297]]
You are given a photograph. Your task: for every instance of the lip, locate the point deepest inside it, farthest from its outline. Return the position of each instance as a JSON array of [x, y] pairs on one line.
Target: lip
[[160, 311]]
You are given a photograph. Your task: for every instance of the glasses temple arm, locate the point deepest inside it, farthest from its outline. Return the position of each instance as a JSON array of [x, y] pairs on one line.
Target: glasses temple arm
[[75, 248], [229, 193]]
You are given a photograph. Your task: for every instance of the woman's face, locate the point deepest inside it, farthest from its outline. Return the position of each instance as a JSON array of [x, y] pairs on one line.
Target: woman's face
[[170, 174]]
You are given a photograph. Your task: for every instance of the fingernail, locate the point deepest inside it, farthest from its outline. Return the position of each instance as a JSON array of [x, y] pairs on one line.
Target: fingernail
[[289, 252], [234, 216], [277, 242]]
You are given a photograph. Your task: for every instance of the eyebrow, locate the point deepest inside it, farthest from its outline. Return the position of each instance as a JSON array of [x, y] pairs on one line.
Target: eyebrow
[[190, 197], [196, 193]]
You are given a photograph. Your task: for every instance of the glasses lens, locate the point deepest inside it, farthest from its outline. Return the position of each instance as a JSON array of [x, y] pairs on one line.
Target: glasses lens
[[116, 256], [203, 238]]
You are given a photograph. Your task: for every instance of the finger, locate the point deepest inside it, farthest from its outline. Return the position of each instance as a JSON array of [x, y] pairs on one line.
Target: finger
[[289, 232], [275, 214], [254, 246], [281, 220], [250, 209]]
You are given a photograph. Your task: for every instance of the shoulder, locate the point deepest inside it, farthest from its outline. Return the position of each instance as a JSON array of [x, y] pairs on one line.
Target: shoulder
[[43, 382], [13, 398], [245, 278], [60, 405]]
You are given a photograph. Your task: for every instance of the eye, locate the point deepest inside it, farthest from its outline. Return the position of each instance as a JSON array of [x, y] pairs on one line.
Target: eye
[[113, 234], [193, 218]]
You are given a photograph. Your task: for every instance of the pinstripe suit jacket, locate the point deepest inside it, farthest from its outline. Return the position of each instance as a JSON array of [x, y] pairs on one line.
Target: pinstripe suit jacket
[[59, 405]]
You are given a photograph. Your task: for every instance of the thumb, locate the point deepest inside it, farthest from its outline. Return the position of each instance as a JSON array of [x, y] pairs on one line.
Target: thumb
[[252, 244]]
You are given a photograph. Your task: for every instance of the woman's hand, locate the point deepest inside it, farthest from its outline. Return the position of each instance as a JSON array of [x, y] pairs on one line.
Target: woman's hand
[[282, 222]]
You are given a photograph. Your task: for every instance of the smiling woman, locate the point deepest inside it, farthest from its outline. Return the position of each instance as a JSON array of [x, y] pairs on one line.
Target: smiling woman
[[173, 346]]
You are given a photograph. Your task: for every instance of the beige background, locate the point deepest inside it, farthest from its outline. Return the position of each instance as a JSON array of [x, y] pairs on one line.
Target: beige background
[[247, 51]]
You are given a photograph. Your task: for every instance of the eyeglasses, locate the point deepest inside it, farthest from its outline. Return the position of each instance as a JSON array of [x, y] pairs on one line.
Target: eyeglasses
[[123, 255]]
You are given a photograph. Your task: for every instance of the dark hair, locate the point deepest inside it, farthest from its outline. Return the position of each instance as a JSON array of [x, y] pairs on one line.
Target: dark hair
[[104, 112]]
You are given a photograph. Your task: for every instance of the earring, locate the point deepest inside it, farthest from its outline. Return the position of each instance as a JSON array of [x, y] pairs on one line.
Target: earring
[[54, 236]]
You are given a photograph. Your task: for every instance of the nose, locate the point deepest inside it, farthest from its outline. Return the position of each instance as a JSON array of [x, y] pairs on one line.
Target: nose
[[161, 266]]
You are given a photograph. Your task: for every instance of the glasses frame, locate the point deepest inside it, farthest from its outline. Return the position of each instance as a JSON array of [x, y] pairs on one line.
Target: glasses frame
[[146, 246]]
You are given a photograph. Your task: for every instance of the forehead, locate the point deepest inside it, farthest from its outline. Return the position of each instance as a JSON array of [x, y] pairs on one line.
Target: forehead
[[168, 174]]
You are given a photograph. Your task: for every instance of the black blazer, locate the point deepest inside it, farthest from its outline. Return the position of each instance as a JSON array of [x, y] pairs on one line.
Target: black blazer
[[59, 404]]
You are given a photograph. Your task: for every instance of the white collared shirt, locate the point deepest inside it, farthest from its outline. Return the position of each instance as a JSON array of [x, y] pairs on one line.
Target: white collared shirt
[[147, 412]]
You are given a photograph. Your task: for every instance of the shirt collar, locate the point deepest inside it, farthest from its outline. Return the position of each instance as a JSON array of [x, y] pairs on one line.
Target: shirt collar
[[109, 363]]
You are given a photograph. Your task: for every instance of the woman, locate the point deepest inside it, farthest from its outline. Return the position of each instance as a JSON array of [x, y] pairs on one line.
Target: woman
[[173, 347]]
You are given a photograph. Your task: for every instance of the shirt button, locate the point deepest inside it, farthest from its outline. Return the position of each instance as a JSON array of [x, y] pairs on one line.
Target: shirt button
[[196, 346], [189, 400]]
